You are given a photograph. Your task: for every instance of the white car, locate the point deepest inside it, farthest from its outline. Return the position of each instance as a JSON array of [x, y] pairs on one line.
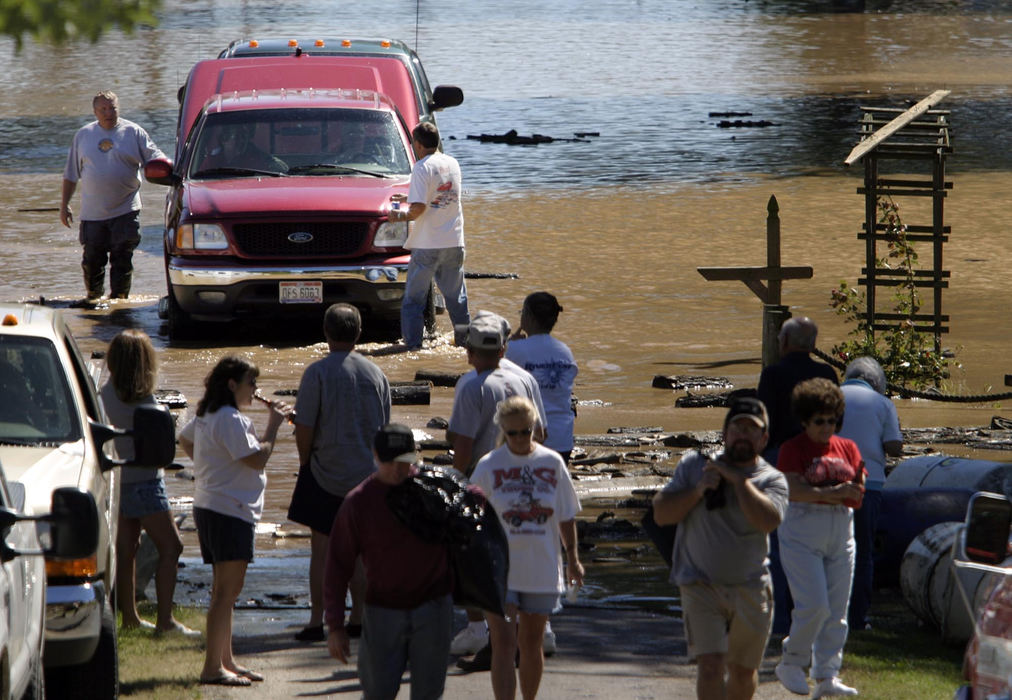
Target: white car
[[53, 433], [71, 531]]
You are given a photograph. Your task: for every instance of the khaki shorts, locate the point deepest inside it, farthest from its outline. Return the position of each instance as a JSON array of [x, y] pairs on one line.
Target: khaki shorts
[[730, 620]]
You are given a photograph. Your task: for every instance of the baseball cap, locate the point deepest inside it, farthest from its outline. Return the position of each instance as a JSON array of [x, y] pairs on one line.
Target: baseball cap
[[487, 331], [395, 443], [749, 407]]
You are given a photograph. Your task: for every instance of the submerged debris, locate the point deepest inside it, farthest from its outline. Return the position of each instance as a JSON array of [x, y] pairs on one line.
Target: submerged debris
[[680, 382]]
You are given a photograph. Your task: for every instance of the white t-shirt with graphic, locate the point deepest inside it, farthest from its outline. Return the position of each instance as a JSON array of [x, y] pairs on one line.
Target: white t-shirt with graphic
[[223, 483], [435, 182], [532, 495]]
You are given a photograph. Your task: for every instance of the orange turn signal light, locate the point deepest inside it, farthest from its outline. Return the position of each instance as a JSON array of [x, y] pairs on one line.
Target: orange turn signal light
[[10, 320]]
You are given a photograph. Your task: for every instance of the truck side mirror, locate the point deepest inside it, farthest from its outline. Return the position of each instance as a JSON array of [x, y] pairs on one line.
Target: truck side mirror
[[159, 171], [154, 437], [988, 521], [73, 526], [153, 434], [446, 96]]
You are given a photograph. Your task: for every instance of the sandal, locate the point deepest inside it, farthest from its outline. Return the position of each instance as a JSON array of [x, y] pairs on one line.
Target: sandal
[[252, 675], [227, 679]]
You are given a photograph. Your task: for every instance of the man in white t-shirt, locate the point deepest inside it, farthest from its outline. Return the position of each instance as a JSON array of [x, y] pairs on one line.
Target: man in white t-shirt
[[106, 157], [436, 240]]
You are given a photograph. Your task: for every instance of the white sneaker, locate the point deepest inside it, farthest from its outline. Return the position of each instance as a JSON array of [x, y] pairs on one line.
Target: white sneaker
[[469, 640], [829, 687], [792, 677], [549, 642]]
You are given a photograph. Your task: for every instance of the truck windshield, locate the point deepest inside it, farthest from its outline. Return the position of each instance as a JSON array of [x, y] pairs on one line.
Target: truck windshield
[[36, 404], [277, 142]]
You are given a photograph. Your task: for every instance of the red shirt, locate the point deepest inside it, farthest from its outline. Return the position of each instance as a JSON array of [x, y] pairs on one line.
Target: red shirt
[[823, 465]]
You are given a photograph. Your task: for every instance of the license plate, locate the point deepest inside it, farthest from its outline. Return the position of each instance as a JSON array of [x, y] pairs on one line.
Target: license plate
[[300, 292]]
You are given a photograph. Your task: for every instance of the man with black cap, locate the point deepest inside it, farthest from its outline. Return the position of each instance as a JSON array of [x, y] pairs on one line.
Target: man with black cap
[[725, 506], [408, 608]]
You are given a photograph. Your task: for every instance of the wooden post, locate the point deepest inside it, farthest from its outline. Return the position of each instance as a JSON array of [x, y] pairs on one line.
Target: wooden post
[[774, 314]]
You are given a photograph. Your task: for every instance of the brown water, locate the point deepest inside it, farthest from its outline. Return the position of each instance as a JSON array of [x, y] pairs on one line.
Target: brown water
[[615, 228]]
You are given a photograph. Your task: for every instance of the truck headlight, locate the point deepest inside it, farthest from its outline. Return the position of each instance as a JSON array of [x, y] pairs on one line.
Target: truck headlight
[[391, 234], [201, 237]]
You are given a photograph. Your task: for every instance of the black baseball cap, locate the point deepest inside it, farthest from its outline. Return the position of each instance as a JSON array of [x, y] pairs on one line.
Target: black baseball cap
[[749, 407], [395, 443]]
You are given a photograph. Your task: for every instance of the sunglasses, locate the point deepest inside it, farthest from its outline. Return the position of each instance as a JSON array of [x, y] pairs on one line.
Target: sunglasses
[[822, 421], [513, 433]]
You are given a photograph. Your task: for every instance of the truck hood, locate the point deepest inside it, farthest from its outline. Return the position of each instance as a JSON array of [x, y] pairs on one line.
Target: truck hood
[[43, 469], [305, 195]]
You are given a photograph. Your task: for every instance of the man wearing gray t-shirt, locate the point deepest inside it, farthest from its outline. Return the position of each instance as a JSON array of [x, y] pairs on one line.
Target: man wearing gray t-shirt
[[725, 506], [106, 157], [343, 400]]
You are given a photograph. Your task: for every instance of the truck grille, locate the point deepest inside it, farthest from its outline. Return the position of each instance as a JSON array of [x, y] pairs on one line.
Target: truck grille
[[276, 239]]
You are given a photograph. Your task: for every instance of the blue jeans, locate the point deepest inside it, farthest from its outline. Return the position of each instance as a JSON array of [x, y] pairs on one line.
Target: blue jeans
[[865, 524], [418, 638], [446, 266]]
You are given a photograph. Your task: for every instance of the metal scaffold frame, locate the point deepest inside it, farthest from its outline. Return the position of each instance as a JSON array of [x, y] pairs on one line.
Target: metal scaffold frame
[[919, 135]]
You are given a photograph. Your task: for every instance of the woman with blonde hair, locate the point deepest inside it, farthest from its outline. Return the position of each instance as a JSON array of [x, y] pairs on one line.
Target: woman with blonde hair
[[144, 505], [228, 466], [531, 490]]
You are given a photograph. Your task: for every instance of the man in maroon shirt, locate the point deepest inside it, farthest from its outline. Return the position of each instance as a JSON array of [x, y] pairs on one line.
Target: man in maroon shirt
[[408, 608]]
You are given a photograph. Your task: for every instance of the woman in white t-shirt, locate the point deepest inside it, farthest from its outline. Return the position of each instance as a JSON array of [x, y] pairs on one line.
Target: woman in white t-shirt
[[530, 488], [228, 466]]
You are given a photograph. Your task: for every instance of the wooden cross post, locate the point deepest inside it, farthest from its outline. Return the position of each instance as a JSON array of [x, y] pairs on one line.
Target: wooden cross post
[[774, 314]]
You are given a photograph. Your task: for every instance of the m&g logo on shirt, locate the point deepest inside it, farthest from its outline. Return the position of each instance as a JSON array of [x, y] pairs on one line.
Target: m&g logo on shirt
[[105, 145]]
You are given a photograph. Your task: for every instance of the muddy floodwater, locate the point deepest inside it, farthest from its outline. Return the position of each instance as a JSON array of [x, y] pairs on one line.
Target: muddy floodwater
[[616, 224]]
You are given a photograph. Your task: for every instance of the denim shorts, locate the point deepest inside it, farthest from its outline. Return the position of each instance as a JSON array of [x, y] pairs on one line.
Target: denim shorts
[[223, 537], [140, 499], [534, 603]]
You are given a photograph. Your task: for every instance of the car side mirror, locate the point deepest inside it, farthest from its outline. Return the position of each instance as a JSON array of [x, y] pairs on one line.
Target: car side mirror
[[446, 96], [154, 438], [988, 522], [73, 526], [159, 171]]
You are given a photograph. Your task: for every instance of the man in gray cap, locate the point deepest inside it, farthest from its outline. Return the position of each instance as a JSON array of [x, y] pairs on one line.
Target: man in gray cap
[[472, 431], [725, 506]]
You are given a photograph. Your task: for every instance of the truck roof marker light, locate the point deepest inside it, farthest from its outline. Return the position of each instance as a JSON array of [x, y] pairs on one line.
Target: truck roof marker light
[[10, 320], [385, 43], [345, 43], [293, 43], [319, 43], [253, 43]]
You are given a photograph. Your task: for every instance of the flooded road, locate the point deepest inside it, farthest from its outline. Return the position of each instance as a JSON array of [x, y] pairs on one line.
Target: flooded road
[[615, 226]]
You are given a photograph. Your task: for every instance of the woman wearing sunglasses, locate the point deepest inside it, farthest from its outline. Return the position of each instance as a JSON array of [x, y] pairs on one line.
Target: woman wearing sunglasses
[[531, 490], [825, 474]]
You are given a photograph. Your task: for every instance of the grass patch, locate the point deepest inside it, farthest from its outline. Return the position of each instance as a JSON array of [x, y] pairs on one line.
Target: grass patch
[[900, 657], [161, 668]]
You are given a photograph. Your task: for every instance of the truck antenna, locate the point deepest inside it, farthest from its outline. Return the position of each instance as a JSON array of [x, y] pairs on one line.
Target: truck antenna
[[418, 4]]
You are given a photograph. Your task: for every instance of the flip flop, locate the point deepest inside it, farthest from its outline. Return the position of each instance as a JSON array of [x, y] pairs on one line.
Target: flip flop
[[227, 679], [252, 675]]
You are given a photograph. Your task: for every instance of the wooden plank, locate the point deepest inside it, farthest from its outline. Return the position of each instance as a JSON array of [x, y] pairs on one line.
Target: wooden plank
[[904, 193], [755, 273], [911, 237], [895, 182], [889, 272], [862, 148]]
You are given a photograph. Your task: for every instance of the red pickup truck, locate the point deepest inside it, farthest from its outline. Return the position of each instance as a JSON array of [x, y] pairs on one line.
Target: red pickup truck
[[280, 191]]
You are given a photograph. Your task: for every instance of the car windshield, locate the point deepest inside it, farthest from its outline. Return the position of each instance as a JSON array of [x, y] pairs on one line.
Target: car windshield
[[280, 142], [35, 398]]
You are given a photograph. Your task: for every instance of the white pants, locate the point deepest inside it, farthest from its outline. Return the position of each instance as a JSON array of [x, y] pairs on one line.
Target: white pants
[[817, 554]]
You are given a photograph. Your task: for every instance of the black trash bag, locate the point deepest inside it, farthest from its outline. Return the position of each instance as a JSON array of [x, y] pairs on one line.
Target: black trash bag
[[437, 505]]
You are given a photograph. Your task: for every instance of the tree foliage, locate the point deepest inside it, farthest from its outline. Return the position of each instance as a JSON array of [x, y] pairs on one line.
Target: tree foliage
[[60, 21], [907, 355]]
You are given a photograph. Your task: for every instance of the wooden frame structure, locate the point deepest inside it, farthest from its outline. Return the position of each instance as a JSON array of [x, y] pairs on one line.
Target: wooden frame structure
[[921, 135]]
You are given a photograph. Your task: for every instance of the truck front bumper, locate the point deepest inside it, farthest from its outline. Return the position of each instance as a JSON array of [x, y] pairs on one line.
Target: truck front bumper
[[222, 293], [73, 623]]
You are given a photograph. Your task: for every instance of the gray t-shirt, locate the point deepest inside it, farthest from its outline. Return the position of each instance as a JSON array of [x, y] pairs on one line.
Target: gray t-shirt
[[720, 546], [345, 398], [474, 402], [122, 416], [107, 162]]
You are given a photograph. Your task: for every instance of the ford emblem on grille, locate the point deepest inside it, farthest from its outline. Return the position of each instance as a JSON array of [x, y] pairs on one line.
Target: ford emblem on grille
[[300, 237]]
